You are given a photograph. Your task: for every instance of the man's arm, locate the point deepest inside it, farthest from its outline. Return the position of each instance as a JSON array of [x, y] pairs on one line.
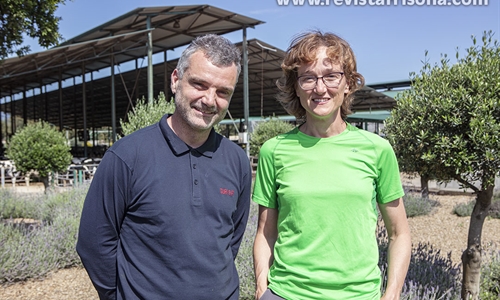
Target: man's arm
[[100, 223], [263, 248], [395, 221]]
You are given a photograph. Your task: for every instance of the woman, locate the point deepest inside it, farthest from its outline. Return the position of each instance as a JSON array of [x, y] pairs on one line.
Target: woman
[[319, 185]]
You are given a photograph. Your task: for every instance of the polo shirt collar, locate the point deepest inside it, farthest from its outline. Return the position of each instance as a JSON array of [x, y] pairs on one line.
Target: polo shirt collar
[[178, 146]]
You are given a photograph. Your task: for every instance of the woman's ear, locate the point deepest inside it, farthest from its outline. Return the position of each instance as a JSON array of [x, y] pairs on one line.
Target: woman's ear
[[347, 89]]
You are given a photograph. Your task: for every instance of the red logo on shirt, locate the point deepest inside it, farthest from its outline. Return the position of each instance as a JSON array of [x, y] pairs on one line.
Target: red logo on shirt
[[226, 192]]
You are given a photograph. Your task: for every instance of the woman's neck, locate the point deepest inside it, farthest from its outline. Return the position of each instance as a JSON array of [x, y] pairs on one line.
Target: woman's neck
[[323, 128]]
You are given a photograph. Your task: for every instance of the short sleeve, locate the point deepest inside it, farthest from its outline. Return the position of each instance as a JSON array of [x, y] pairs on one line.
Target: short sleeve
[[264, 192]]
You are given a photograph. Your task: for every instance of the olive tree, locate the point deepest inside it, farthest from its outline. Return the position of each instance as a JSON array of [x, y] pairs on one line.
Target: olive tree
[[145, 113], [402, 129], [450, 121], [31, 18], [39, 147]]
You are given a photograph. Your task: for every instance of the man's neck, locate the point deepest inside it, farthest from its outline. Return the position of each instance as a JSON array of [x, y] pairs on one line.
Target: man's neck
[[192, 138]]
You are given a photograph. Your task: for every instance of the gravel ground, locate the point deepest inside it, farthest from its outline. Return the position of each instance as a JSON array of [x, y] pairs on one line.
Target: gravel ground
[[442, 229]]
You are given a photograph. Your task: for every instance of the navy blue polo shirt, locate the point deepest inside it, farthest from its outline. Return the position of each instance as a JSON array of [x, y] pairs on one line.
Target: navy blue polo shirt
[[162, 220]]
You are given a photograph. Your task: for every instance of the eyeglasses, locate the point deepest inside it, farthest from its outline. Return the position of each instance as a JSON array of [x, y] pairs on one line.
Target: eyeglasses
[[309, 82]]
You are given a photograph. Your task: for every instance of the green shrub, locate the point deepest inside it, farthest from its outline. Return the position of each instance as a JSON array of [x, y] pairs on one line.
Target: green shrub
[[265, 131], [415, 205], [41, 147], [145, 113]]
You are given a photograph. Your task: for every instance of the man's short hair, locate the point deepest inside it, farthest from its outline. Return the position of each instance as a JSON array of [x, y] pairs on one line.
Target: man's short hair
[[217, 49]]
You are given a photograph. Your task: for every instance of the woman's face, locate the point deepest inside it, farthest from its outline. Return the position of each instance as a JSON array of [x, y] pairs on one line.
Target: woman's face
[[322, 102]]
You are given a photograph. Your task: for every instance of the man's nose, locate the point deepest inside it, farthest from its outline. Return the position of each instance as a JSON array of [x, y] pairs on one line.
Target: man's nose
[[210, 98]]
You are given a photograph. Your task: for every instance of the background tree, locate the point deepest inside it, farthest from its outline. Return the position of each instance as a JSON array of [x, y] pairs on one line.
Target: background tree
[[402, 129], [452, 114], [145, 114], [28, 18], [39, 147], [266, 130]]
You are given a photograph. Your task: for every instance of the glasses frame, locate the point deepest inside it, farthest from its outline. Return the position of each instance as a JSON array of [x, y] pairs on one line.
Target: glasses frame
[[322, 78]]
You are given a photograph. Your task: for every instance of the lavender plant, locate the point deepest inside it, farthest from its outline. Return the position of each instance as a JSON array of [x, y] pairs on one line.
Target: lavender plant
[[416, 205], [430, 275], [244, 260], [490, 274], [31, 250], [465, 209], [14, 206]]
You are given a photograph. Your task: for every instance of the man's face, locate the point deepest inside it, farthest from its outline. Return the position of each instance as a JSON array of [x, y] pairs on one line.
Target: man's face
[[203, 94]]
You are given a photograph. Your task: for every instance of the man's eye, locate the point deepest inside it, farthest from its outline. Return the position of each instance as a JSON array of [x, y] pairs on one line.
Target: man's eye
[[308, 79], [198, 86], [224, 94]]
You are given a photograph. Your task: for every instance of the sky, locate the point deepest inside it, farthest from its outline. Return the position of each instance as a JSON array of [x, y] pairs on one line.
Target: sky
[[389, 38]]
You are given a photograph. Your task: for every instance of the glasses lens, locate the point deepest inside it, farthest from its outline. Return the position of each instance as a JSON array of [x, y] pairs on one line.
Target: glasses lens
[[330, 80], [307, 82]]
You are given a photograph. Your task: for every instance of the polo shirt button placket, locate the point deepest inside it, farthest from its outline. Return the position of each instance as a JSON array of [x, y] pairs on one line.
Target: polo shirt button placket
[[196, 182]]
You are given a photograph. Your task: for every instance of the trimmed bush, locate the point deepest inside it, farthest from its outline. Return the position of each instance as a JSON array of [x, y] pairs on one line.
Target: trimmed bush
[[265, 131], [40, 147]]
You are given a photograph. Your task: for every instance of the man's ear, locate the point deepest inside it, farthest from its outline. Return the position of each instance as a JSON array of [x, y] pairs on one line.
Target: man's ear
[[174, 81]]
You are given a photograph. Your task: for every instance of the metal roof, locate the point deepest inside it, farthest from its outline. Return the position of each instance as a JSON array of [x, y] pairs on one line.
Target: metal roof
[[367, 98], [263, 70], [124, 38]]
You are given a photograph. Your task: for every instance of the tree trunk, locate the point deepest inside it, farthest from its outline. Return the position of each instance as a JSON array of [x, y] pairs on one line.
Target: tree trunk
[[424, 186], [45, 181], [471, 257]]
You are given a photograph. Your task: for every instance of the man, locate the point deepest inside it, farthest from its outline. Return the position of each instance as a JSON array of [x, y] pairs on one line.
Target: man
[[168, 206]]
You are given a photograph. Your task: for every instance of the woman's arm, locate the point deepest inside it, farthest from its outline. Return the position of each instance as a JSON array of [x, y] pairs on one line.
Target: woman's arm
[[267, 233], [394, 216]]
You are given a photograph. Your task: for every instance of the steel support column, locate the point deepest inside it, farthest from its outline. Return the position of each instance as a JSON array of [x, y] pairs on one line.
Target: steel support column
[[150, 61], [245, 92], [113, 100]]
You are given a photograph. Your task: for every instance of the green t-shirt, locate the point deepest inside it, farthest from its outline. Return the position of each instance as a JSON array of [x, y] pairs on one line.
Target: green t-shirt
[[326, 190]]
